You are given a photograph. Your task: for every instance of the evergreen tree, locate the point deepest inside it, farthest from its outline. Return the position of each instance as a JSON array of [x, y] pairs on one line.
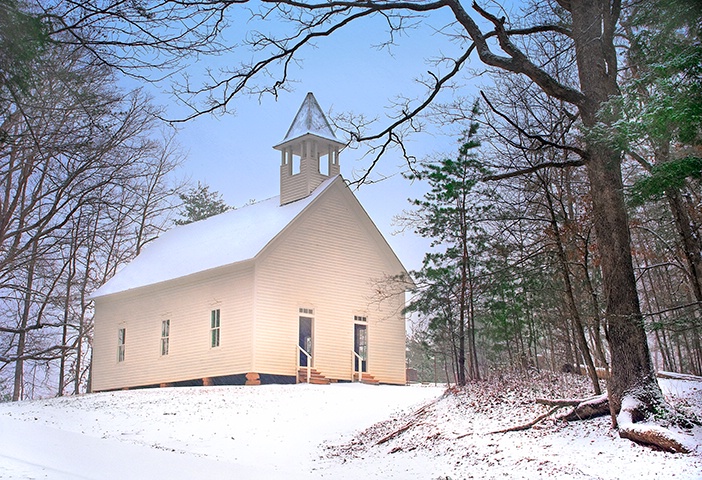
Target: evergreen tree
[[663, 93], [199, 203], [23, 37], [662, 129], [450, 215]]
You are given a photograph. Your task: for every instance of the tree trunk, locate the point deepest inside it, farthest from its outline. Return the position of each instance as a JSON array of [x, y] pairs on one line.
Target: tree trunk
[[665, 352], [64, 340], [698, 352], [631, 367], [17, 392], [84, 305], [461, 366], [67, 311], [571, 354], [632, 371], [19, 366], [472, 350]]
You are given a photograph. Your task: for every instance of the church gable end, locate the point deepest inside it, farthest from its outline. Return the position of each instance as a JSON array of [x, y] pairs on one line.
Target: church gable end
[[336, 256]]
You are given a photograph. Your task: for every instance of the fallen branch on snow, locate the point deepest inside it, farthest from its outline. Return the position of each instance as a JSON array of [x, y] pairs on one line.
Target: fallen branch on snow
[[589, 408], [397, 432], [526, 426], [413, 422], [559, 402]]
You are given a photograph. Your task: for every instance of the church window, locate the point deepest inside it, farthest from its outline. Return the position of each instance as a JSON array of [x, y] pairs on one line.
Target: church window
[[165, 336], [214, 328], [121, 341]]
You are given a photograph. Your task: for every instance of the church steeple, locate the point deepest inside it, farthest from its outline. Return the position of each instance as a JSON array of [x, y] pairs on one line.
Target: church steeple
[[309, 152]]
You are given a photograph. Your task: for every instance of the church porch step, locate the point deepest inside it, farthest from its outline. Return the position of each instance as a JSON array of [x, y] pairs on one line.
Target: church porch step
[[316, 378]]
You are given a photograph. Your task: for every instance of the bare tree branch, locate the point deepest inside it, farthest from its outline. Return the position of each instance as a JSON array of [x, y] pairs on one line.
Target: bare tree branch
[[545, 142], [533, 169]]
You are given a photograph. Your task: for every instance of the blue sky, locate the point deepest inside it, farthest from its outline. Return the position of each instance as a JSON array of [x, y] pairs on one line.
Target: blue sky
[[233, 153]]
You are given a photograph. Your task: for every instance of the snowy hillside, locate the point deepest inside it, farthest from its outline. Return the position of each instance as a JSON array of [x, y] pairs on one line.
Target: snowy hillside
[[343, 431]]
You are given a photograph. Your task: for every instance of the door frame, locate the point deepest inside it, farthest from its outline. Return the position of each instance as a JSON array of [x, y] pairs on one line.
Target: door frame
[[357, 327]]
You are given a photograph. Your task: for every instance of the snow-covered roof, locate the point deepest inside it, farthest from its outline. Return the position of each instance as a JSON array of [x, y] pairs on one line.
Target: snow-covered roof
[[310, 119], [223, 239]]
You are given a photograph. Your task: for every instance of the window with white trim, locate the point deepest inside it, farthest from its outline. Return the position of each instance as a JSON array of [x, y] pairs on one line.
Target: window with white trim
[[214, 328], [121, 342], [165, 336]]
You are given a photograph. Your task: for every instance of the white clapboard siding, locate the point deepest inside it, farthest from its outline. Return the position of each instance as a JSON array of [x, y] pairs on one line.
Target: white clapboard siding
[[187, 303], [329, 259], [295, 188]]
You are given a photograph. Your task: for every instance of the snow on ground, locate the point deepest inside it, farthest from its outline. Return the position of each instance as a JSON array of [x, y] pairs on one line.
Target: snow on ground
[[329, 431], [269, 431], [457, 432]]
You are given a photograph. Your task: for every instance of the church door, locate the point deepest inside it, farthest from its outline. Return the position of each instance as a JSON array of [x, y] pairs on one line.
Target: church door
[[360, 346], [305, 340]]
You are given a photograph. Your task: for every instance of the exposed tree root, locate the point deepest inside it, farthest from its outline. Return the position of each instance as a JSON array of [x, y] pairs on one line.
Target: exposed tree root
[[647, 434], [654, 436]]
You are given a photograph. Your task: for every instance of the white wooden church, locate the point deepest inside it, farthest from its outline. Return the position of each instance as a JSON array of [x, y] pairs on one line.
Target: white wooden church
[[280, 291]]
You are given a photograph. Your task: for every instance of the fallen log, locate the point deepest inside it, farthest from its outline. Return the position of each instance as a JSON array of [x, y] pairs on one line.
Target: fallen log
[[590, 408]]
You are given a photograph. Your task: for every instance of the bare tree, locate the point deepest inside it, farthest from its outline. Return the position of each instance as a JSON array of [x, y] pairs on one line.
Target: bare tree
[[75, 155]]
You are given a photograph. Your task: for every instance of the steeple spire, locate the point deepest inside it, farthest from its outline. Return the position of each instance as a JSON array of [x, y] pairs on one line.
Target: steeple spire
[[309, 152], [310, 119]]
